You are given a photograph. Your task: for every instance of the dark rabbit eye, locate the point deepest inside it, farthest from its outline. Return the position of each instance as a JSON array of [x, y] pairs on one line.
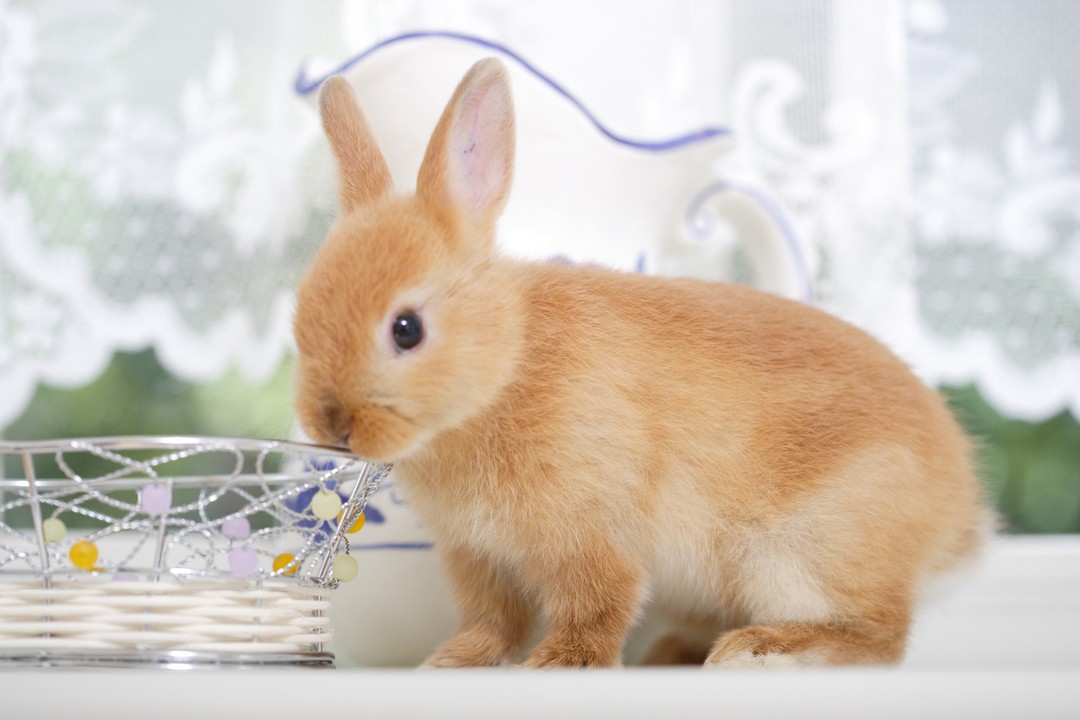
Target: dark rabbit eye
[[407, 330]]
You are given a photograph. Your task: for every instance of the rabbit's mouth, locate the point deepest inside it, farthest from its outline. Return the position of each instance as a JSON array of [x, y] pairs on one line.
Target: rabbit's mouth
[[382, 432]]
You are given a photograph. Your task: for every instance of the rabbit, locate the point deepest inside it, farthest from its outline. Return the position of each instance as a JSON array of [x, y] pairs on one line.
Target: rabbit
[[584, 444]]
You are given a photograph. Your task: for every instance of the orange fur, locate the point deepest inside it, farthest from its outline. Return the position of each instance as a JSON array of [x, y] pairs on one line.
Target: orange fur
[[582, 442]]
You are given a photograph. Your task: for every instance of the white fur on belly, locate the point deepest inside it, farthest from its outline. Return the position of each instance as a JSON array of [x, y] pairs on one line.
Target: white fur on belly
[[777, 583]]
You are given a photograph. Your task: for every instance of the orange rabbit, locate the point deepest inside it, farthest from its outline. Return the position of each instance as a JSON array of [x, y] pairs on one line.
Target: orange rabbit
[[584, 443]]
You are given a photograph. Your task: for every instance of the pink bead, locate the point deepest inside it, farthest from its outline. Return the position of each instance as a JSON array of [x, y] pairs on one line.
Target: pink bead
[[236, 528], [243, 561], [156, 499]]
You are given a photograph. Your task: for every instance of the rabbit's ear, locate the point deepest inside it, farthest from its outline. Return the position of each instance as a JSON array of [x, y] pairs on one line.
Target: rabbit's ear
[[470, 159], [362, 170]]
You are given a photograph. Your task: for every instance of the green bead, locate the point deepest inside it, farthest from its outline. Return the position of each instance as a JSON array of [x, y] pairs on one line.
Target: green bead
[[54, 530], [345, 568], [325, 504]]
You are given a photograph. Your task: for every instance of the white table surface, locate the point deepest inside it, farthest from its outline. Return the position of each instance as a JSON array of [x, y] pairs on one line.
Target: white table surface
[[629, 693]]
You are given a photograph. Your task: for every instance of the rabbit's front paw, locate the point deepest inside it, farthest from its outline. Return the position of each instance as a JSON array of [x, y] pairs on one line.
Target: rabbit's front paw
[[472, 648], [573, 653], [756, 647]]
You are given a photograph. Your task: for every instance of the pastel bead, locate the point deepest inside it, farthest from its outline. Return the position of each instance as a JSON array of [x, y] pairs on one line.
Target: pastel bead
[[345, 568], [54, 530], [357, 524], [155, 499], [83, 554], [236, 528], [282, 561], [325, 504], [243, 561]]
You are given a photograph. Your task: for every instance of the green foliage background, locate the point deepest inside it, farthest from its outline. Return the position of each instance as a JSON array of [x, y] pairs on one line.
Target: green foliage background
[[1031, 470]]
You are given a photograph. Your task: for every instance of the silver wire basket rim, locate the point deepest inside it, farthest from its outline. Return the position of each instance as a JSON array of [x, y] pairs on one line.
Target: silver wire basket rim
[[166, 442], [170, 442], [179, 447]]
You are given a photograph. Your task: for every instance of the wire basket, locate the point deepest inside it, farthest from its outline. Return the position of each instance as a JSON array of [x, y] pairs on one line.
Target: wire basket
[[174, 551]]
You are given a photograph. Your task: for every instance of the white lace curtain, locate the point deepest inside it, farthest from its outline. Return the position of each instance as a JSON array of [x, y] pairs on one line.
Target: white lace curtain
[[163, 184]]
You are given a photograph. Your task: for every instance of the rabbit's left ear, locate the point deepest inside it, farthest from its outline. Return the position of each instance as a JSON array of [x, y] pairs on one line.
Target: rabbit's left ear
[[362, 171], [470, 159]]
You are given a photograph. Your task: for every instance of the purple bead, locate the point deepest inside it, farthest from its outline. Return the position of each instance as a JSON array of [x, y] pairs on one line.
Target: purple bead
[[243, 561], [236, 528], [156, 499]]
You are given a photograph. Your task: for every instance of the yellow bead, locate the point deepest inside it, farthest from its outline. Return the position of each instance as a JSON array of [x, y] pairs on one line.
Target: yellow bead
[[83, 554], [345, 568], [325, 504], [283, 560], [54, 530], [357, 524]]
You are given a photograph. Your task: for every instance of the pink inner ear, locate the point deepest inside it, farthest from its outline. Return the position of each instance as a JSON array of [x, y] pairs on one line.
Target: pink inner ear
[[478, 152]]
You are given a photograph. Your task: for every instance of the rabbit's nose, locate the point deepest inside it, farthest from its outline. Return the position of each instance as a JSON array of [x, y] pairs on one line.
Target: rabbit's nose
[[336, 422]]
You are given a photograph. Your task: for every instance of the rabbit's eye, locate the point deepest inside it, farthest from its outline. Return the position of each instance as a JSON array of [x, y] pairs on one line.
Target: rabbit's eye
[[407, 330]]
